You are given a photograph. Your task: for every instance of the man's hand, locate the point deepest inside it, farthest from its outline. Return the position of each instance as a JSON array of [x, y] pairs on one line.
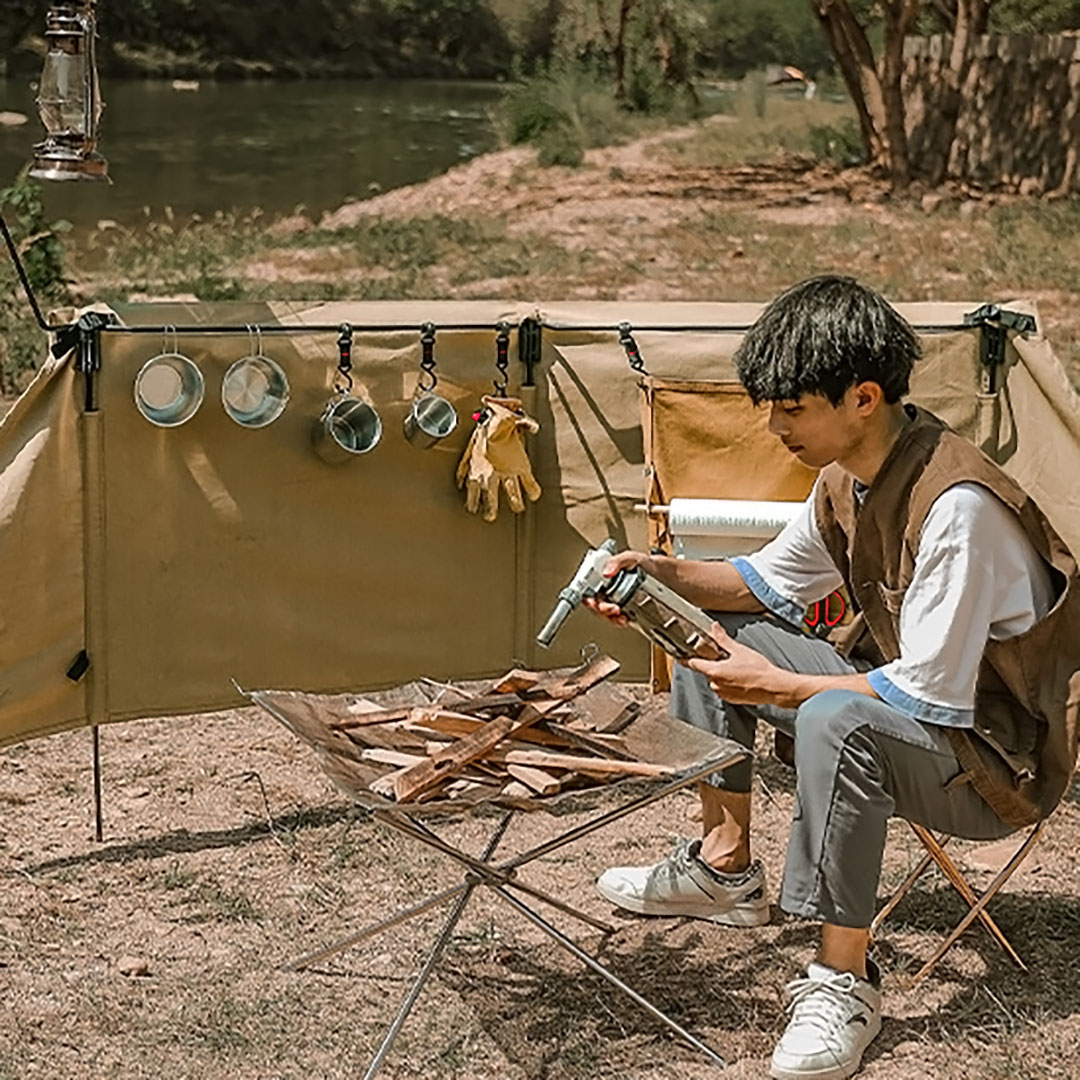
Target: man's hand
[[625, 560], [745, 677]]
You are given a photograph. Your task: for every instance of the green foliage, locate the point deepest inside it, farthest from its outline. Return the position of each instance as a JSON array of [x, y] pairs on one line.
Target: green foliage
[[841, 144], [477, 38], [739, 37], [560, 146], [21, 340], [562, 113], [1034, 16]]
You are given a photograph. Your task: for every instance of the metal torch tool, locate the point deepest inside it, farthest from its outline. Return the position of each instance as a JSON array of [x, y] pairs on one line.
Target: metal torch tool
[[665, 618]]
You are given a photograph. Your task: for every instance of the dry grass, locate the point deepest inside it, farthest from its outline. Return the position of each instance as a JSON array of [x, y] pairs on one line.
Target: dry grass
[[226, 855]]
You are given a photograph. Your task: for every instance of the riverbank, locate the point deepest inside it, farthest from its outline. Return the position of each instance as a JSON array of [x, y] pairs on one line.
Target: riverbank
[[671, 216]]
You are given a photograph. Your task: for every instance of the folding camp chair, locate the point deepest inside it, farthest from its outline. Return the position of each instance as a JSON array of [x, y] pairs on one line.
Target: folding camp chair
[[689, 754], [935, 853]]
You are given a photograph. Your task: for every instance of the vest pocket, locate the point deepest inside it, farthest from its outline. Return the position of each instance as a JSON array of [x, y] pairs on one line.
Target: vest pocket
[[1010, 730]]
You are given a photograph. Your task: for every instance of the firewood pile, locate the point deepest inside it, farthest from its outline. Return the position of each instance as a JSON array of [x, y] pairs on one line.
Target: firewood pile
[[521, 738]]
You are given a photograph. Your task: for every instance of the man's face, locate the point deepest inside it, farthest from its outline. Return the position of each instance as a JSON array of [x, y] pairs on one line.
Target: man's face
[[814, 430]]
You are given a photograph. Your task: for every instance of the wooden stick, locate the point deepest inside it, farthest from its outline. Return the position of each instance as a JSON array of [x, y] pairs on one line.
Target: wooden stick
[[621, 722], [542, 782], [515, 681], [589, 741], [431, 771], [398, 758], [582, 764], [366, 719]]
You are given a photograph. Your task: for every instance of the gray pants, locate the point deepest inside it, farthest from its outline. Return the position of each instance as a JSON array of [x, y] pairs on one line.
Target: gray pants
[[858, 761]]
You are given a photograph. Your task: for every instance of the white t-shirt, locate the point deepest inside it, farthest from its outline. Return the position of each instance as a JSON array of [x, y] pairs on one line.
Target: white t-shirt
[[977, 577]]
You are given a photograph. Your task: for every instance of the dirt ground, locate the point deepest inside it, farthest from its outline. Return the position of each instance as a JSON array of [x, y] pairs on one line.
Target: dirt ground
[[227, 854]]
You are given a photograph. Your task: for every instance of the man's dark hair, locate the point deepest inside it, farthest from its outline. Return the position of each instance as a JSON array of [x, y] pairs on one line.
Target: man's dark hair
[[823, 336]]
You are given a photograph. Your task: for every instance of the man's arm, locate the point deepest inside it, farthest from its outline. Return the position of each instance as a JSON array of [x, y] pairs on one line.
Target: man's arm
[[713, 586]]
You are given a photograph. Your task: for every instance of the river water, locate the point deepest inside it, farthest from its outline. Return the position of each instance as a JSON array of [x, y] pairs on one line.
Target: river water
[[272, 145]]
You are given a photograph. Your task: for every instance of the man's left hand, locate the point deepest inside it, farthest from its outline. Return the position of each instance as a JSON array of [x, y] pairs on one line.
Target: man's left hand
[[744, 678]]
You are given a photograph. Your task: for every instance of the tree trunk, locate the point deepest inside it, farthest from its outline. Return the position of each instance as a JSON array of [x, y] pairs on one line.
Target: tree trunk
[[855, 58], [616, 40], [900, 17]]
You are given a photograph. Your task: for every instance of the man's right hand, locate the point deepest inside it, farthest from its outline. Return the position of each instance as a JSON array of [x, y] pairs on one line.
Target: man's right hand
[[625, 560]]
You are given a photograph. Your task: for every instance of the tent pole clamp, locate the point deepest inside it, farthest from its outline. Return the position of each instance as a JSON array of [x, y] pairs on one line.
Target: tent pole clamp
[[995, 322], [85, 336]]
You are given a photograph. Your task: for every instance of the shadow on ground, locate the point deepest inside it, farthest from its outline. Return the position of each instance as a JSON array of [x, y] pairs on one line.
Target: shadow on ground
[[183, 841], [557, 1020]]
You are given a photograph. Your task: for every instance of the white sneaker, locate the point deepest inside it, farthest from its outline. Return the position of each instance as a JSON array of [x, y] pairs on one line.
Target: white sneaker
[[684, 886], [834, 1017]]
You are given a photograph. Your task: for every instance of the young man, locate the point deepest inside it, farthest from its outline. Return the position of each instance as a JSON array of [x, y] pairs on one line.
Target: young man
[[946, 702]]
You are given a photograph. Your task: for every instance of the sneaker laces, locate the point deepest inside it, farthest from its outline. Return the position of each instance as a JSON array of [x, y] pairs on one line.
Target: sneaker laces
[[823, 1003], [677, 866]]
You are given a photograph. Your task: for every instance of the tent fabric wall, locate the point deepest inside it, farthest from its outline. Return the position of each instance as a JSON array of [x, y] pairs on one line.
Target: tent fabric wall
[[194, 556], [42, 587]]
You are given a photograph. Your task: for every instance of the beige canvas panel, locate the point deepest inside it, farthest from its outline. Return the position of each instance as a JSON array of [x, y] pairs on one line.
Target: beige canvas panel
[[239, 554], [41, 553], [1038, 432]]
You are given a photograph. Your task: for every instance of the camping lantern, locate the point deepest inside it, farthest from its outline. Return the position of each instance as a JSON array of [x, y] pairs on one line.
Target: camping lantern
[[69, 99]]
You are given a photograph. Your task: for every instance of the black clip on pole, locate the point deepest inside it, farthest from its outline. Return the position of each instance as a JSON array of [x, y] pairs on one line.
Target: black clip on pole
[[502, 358], [428, 379], [344, 344], [633, 353]]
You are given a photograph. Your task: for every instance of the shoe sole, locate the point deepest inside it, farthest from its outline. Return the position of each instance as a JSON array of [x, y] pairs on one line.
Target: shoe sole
[[832, 1072], [750, 913]]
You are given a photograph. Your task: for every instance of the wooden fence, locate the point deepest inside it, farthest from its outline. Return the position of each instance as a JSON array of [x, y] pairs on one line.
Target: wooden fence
[[1018, 111]]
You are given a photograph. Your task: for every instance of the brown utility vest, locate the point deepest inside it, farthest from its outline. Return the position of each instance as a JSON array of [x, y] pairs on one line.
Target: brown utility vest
[[1021, 753]]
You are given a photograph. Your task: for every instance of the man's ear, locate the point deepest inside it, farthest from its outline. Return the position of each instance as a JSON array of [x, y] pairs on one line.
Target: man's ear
[[867, 397]]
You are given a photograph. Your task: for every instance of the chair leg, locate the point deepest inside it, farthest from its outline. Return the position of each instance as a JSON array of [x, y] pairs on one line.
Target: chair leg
[[977, 907], [956, 879]]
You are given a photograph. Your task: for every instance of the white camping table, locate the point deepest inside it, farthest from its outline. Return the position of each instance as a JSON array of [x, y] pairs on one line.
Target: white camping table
[[691, 754]]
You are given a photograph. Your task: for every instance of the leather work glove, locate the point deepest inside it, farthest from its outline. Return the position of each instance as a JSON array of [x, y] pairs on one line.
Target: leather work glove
[[495, 457]]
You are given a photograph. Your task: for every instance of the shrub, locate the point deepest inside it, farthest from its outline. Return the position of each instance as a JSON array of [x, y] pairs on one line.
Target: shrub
[[39, 250], [841, 144]]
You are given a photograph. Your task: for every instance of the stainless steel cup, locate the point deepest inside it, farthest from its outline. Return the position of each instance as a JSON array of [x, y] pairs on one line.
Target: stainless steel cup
[[430, 419], [169, 389], [347, 428], [254, 391]]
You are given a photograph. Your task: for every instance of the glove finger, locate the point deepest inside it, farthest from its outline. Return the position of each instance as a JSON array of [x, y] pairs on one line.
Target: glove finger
[[472, 496], [513, 494], [532, 488], [491, 498], [466, 461]]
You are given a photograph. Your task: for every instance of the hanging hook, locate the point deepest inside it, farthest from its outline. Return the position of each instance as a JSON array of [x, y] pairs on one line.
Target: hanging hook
[[343, 383], [502, 358], [633, 353], [428, 379], [167, 330]]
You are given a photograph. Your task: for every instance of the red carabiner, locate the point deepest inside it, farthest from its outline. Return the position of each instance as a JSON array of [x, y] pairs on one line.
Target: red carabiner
[[829, 621]]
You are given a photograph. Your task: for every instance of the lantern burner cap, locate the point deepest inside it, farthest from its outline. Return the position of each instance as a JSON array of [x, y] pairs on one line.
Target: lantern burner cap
[[53, 161]]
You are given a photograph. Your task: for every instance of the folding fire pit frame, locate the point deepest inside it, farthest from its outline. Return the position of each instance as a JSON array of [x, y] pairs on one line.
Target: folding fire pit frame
[[500, 878]]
